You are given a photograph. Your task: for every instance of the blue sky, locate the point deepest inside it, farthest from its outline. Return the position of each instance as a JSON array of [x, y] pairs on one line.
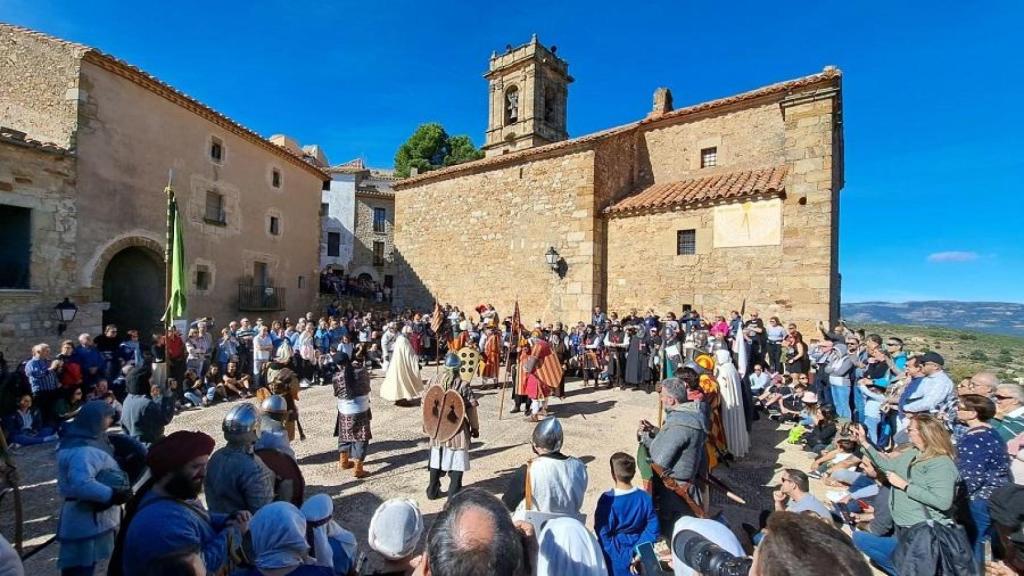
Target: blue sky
[[932, 92]]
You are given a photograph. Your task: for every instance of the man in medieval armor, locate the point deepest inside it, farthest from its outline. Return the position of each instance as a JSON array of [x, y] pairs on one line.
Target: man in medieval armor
[[449, 406], [552, 483], [236, 479]]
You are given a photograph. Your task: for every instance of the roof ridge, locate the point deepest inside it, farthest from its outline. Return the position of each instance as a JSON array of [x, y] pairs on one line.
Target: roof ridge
[[149, 82], [730, 185], [828, 73]]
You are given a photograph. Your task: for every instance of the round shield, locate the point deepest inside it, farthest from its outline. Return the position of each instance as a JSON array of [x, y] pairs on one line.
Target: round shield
[[443, 413], [469, 359], [433, 398], [288, 476]]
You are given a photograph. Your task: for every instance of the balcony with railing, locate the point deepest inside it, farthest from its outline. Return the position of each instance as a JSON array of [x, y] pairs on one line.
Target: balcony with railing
[[257, 298]]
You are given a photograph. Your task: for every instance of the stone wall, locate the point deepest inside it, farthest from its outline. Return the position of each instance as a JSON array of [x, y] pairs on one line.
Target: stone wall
[[43, 181], [365, 236], [484, 235], [40, 86]]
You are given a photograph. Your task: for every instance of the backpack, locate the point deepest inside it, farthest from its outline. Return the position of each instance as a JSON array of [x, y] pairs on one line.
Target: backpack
[[795, 433]]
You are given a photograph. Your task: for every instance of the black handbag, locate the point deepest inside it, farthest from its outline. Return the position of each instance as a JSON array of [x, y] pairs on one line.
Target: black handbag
[[933, 548]]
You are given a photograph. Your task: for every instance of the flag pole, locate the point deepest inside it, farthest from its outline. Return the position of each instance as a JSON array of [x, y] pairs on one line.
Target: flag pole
[[168, 321]]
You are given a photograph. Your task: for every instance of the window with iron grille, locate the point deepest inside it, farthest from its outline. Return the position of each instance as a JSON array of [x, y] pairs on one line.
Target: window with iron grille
[[216, 150], [378, 253], [709, 157], [15, 246], [379, 220], [686, 242], [215, 208], [334, 244], [275, 226]]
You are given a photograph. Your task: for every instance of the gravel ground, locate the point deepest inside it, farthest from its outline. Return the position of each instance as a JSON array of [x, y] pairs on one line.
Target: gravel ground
[[597, 423]]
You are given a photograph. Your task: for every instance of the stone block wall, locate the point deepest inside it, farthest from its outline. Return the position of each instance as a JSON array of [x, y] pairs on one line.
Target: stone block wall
[[365, 236], [40, 86], [43, 181], [482, 236]]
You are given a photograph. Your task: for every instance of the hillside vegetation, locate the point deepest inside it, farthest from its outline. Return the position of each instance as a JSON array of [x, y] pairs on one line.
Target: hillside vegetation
[[966, 352]]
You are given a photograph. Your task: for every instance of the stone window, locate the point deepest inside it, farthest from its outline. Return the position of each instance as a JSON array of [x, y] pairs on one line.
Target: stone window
[[202, 277], [215, 208], [380, 216], [302, 282], [15, 246], [378, 253], [550, 114], [275, 225], [275, 178], [686, 242], [216, 150], [334, 244], [511, 104], [325, 208], [709, 157]]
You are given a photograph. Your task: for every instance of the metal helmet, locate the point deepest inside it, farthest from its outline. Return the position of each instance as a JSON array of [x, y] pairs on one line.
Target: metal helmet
[[690, 364], [275, 404], [548, 434], [451, 360], [242, 424]]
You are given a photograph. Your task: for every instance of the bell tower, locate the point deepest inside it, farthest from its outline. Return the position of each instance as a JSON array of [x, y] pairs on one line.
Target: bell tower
[[528, 86]]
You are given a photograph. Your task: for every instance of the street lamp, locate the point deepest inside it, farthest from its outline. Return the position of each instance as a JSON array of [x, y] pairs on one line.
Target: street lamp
[[552, 257], [64, 313]]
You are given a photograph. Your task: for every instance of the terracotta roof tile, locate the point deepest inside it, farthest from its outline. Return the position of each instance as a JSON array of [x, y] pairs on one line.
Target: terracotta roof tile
[[723, 186], [157, 86]]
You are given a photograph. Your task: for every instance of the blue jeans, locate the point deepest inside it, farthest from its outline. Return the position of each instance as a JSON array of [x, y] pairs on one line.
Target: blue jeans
[[980, 529], [31, 440], [871, 425], [878, 548], [858, 404], [841, 401]]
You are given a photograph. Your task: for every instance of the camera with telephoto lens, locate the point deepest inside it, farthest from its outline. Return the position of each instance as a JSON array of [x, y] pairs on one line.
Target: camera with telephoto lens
[[706, 557]]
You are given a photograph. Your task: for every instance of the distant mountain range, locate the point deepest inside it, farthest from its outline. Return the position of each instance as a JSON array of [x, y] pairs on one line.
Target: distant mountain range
[[991, 317]]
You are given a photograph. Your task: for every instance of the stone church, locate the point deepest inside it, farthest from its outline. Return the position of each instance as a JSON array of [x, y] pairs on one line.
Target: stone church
[[718, 205]]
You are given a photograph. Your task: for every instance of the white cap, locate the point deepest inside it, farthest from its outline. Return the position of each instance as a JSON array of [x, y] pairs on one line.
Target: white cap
[[395, 529]]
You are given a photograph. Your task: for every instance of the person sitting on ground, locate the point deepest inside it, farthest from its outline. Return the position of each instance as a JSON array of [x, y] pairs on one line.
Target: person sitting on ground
[[236, 382], [780, 387], [824, 431], [68, 403], [795, 545], [475, 536], [194, 390], [332, 545], [279, 544], [25, 426], [624, 517], [759, 380], [842, 457], [395, 531], [794, 407], [794, 495]]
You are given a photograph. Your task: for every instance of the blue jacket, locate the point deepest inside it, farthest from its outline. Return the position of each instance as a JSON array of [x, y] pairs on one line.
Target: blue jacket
[[76, 482], [163, 525]]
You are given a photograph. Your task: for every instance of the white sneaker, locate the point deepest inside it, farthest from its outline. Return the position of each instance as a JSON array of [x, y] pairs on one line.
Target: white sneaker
[[303, 384]]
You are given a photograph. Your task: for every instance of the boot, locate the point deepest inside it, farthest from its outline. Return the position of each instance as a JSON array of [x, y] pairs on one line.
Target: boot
[[359, 472], [454, 484], [344, 462], [434, 486]]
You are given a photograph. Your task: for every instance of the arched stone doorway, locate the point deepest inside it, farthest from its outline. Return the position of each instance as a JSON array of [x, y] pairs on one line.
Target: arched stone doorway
[[133, 285]]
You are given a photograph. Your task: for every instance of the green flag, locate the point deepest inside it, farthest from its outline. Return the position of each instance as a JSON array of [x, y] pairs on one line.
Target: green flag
[[176, 304]]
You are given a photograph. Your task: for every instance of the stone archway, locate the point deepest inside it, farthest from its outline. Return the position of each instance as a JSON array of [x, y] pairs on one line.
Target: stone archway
[[133, 287]]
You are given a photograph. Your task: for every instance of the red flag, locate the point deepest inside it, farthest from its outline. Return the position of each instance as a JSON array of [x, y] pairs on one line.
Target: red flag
[[438, 318]]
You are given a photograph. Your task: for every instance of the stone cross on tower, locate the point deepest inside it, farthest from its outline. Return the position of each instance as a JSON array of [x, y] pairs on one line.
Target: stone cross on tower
[[528, 87]]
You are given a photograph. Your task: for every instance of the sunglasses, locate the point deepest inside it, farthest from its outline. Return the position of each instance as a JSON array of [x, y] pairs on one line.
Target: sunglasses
[[998, 397], [892, 344]]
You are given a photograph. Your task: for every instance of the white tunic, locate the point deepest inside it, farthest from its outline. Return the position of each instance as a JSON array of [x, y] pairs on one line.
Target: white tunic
[[557, 485], [402, 381], [734, 419]]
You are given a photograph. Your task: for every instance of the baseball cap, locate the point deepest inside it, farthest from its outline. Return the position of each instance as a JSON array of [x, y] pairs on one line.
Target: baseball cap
[[933, 357]]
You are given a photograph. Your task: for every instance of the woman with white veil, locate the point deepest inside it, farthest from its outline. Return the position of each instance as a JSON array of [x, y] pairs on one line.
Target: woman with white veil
[[734, 418], [402, 382], [567, 547]]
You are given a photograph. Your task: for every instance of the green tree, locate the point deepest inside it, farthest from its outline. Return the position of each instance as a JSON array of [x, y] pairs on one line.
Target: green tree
[[461, 149], [430, 148]]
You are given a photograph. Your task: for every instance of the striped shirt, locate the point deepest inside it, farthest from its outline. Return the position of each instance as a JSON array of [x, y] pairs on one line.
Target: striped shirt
[[40, 376]]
